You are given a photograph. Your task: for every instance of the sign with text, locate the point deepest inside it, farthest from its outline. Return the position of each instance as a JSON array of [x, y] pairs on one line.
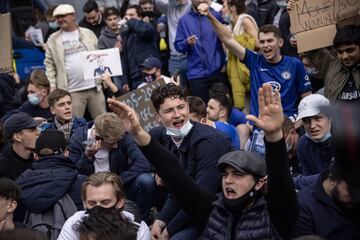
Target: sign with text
[[318, 18], [139, 100], [5, 43]]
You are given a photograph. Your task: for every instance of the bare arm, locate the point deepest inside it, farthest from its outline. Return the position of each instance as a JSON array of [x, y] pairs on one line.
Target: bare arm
[[251, 29], [223, 33]]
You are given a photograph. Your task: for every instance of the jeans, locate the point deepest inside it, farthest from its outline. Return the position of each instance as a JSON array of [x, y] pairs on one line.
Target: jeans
[[178, 65], [141, 191], [189, 233]]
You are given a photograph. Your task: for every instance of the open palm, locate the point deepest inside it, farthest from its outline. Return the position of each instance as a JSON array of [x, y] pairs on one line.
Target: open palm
[[271, 115]]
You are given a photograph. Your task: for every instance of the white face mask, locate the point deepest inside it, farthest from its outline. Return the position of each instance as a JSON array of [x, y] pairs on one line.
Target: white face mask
[[179, 132]]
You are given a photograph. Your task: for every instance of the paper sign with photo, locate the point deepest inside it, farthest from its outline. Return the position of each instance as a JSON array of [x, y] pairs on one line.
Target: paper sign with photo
[[36, 37], [97, 63]]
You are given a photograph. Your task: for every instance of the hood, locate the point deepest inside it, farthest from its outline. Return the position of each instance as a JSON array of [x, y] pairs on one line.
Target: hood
[[46, 182], [108, 33]]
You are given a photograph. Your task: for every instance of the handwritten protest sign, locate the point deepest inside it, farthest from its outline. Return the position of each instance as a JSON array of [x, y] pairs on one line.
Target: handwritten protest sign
[[97, 63], [317, 19], [5, 43], [139, 100]]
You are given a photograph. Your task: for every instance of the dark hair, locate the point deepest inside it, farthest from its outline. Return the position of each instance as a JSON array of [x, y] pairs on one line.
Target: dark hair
[[141, 2], [109, 11], [55, 95], [239, 5], [224, 101], [50, 10], [138, 9], [349, 34], [9, 189], [287, 125], [22, 234], [169, 90], [218, 88], [90, 6], [105, 224], [270, 28], [197, 106]]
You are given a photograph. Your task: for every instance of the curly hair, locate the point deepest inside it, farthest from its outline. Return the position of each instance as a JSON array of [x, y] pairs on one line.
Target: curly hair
[[169, 90]]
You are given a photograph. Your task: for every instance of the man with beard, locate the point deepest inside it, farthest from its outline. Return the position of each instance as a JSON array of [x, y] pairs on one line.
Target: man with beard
[[93, 18], [330, 207], [240, 211]]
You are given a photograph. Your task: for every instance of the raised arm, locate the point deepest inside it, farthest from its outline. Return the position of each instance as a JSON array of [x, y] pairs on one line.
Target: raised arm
[[223, 33], [281, 192]]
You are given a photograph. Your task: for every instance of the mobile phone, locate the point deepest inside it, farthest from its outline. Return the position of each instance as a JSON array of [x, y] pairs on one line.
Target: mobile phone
[[89, 142]]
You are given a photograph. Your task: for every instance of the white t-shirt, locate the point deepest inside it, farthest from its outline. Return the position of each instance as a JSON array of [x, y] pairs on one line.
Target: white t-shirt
[[69, 233], [73, 48], [101, 162]]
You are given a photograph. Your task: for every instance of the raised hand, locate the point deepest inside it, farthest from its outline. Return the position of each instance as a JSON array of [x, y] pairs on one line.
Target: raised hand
[[130, 121], [203, 9], [271, 114]]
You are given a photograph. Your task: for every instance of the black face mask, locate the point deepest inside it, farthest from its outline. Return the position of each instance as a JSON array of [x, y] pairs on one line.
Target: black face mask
[[99, 209], [149, 77], [239, 204]]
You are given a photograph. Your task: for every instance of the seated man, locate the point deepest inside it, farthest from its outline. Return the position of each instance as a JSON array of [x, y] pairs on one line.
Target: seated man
[[199, 148], [219, 109], [315, 149], [103, 146], [64, 119], [330, 207], [151, 70], [38, 91], [21, 132], [51, 176], [103, 190], [197, 108], [9, 198], [242, 196]]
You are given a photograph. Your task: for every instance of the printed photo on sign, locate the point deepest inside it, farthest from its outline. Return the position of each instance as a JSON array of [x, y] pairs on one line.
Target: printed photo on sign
[[97, 63], [35, 35]]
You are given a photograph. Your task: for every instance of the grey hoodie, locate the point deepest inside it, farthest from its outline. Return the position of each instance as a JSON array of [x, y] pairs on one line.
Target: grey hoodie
[[107, 38]]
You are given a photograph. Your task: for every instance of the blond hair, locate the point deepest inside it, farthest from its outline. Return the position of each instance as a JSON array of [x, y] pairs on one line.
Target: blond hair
[[100, 178], [109, 125]]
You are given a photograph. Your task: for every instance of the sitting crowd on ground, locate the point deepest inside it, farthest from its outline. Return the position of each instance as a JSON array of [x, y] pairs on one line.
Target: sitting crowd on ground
[[253, 141]]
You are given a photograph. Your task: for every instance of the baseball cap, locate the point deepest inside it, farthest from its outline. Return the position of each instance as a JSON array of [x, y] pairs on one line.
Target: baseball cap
[[63, 9], [18, 122], [244, 161], [50, 142], [151, 62], [310, 105]]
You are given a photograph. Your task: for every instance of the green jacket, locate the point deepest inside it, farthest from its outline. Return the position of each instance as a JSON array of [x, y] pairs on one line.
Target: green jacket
[[335, 74]]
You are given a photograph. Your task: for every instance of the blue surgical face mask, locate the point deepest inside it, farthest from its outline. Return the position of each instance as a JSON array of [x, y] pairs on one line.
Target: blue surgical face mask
[[34, 99], [227, 18], [53, 25], [323, 139], [311, 71], [179, 132]]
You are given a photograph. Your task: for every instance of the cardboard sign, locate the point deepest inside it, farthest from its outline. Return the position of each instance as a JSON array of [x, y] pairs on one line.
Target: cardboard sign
[[5, 43], [97, 63], [139, 100], [314, 21]]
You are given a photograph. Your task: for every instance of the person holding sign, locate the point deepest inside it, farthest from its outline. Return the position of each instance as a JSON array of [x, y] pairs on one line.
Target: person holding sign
[[287, 74]]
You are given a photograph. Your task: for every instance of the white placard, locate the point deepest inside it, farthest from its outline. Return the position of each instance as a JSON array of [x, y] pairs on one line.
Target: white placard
[[97, 63]]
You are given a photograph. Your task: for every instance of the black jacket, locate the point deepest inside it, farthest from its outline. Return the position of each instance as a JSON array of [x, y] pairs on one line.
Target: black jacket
[[11, 164], [198, 203], [96, 29], [138, 44]]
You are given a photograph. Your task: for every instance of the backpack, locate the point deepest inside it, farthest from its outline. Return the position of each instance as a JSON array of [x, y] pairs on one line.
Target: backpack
[[51, 221]]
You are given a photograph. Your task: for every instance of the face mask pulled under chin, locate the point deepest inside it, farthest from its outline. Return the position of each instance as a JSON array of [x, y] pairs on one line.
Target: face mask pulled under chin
[[240, 203], [323, 139], [179, 132]]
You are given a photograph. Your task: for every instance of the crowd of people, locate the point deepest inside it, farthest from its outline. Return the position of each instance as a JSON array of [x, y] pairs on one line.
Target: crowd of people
[[255, 140]]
